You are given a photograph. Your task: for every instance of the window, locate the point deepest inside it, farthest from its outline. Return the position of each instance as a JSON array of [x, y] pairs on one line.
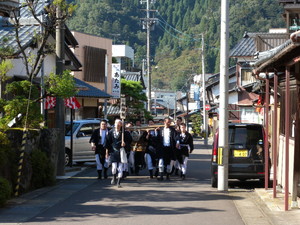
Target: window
[[86, 130], [94, 64], [246, 77], [68, 128]]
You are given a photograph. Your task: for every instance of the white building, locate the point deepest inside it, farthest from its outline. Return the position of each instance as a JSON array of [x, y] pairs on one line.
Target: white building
[[124, 55]]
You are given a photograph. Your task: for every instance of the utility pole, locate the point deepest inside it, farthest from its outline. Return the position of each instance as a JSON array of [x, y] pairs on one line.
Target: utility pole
[[175, 105], [60, 108], [148, 56], [149, 22], [223, 108], [105, 86], [204, 94]]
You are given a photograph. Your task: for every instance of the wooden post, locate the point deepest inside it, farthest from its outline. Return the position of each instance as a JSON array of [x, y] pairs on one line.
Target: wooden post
[[297, 150], [287, 137], [275, 136], [267, 99]]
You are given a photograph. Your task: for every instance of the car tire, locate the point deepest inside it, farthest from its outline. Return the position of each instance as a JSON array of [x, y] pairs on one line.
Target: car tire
[[67, 157], [262, 183], [214, 181]]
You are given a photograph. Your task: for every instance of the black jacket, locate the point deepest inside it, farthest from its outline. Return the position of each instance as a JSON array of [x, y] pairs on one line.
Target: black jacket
[[172, 137], [97, 140]]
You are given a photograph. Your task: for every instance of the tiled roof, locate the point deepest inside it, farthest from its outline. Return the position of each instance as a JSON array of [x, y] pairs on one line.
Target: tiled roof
[[216, 77], [89, 91], [245, 47], [253, 42], [39, 9], [25, 33], [262, 57], [133, 76]]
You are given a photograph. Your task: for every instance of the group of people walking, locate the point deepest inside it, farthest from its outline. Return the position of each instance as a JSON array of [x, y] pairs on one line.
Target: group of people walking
[[167, 149]]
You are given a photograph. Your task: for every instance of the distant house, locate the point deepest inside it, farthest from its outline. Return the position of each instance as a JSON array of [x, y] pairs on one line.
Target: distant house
[[213, 95], [88, 94], [243, 87], [244, 53]]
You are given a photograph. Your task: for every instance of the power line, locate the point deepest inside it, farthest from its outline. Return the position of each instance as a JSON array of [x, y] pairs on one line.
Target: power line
[[162, 20]]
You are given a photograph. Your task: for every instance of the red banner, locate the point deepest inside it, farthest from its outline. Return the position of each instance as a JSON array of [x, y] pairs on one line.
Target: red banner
[[72, 103], [50, 102]]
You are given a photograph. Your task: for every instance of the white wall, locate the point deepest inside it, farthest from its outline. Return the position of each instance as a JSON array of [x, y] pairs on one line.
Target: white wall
[[123, 51], [19, 66], [281, 163]]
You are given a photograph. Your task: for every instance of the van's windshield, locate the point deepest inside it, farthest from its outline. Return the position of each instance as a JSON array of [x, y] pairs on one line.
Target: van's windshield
[[68, 128], [245, 135]]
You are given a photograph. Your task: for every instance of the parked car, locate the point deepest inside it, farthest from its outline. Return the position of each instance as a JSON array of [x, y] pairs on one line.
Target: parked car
[[246, 153], [81, 132]]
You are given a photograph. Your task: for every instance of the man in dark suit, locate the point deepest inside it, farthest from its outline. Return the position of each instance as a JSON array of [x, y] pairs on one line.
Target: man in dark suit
[[97, 142], [166, 153]]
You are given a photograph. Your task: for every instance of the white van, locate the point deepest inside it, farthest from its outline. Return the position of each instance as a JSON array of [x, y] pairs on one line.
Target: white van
[[82, 131]]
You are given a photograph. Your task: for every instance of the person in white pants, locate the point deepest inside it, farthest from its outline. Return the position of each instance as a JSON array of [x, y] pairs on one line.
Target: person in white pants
[[97, 141], [166, 152], [113, 146], [184, 146]]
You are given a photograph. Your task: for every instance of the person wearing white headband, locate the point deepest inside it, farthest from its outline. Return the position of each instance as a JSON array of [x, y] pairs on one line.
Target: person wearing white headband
[[114, 145]]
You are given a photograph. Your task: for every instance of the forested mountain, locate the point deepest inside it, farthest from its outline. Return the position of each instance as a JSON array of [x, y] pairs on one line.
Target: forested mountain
[[176, 39]]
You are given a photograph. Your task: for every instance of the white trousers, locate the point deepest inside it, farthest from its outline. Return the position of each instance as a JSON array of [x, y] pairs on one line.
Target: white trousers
[[161, 165], [148, 161], [131, 159], [99, 164], [117, 167], [183, 167]]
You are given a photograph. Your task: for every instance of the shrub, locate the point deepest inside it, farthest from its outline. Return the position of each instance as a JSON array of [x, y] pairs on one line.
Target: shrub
[[42, 170], [5, 191], [8, 157], [197, 122]]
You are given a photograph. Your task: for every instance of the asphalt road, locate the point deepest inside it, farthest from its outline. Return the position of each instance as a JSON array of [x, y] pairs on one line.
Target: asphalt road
[[141, 201]]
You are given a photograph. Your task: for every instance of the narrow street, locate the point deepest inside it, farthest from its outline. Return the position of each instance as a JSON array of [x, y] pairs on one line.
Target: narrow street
[[85, 200]]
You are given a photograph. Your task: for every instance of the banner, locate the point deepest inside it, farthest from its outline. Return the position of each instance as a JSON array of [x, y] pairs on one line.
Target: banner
[[49, 102], [116, 80], [72, 103]]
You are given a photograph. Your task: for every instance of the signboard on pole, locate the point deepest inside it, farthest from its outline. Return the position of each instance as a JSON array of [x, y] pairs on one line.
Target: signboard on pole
[[123, 108], [116, 80]]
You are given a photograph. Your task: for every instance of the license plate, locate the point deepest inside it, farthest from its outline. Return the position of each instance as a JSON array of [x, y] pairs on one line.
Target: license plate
[[240, 153]]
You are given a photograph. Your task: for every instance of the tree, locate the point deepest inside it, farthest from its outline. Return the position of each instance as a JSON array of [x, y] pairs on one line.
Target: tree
[[29, 104], [135, 99]]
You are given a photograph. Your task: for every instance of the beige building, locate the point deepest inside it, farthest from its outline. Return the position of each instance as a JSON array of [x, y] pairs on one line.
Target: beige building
[[95, 54]]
